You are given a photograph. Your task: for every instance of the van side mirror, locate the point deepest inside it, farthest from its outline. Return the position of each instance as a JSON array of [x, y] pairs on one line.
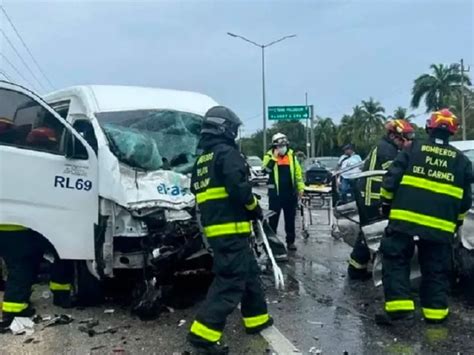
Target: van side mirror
[[74, 148]]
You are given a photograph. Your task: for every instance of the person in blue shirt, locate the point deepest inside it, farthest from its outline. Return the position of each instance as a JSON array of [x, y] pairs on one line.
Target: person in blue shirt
[[348, 159]]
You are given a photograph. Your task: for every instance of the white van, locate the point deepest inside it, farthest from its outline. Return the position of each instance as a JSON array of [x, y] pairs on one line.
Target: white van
[[102, 172]]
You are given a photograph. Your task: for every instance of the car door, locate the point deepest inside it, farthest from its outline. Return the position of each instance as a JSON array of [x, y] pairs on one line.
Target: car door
[[48, 174]]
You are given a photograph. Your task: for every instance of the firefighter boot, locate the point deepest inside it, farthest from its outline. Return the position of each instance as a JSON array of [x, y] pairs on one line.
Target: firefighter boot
[[399, 318], [261, 327], [62, 299], [207, 348], [358, 274]]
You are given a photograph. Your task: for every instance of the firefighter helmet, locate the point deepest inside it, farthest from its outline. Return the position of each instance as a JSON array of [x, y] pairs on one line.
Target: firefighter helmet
[[41, 135], [401, 128], [221, 121], [444, 120]]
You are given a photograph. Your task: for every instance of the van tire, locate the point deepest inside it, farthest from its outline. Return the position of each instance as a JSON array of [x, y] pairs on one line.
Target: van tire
[[89, 290]]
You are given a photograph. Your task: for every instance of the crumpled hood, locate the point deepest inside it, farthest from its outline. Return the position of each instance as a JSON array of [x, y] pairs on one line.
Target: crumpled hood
[[162, 188]]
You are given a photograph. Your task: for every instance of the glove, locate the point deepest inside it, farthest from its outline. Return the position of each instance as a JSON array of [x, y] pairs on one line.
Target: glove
[[256, 214], [385, 209]]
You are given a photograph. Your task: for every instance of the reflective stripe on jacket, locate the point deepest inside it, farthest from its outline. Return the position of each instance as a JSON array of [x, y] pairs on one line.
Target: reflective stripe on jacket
[[271, 166], [429, 187], [380, 158], [223, 192]]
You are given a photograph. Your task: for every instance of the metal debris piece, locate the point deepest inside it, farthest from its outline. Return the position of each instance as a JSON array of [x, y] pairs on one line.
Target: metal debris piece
[[46, 295], [316, 323], [181, 322], [61, 319], [109, 311]]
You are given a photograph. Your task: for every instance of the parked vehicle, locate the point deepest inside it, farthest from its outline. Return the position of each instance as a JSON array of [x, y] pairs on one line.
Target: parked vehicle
[[105, 178], [257, 174]]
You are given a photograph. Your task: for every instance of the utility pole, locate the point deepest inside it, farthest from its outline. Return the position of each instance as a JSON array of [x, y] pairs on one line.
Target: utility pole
[[463, 112], [313, 143], [307, 127], [264, 108], [264, 102]]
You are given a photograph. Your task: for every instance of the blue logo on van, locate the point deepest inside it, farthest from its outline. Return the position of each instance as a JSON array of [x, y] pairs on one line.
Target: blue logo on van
[[173, 190]]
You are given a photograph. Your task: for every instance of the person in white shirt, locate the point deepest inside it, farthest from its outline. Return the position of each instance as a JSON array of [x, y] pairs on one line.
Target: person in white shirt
[[348, 159]]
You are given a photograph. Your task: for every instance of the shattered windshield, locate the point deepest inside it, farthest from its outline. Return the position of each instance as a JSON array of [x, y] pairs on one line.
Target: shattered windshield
[[153, 139]]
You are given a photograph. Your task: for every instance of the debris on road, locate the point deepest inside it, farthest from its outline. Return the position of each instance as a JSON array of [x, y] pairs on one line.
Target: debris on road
[[109, 311], [181, 322], [61, 319], [98, 347], [315, 351], [22, 325], [46, 295], [89, 329], [316, 323]]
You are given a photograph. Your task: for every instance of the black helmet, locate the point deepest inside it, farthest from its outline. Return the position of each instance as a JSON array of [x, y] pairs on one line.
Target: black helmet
[[221, 121]]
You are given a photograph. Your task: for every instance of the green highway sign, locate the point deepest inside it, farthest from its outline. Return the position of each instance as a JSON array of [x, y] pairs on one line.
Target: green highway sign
[[288, 112]]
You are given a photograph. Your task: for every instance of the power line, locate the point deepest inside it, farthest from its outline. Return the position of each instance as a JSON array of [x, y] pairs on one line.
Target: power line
[[26, 47], [5, 75], [16, 70], [21, 58]]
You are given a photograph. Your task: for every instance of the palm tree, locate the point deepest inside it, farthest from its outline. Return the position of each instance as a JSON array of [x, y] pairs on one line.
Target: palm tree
[[438, 88], [373, 113], [401, 113], [324, 132], [347, 129]]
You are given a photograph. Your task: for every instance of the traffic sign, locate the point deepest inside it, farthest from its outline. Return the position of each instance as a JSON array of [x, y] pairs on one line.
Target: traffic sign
[[283, 113]]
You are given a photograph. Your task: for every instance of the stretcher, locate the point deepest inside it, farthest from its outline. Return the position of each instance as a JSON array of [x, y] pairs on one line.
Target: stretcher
[[315, 197]]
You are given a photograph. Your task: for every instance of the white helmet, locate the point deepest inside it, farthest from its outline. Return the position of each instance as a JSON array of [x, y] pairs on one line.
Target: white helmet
[[279, 138]]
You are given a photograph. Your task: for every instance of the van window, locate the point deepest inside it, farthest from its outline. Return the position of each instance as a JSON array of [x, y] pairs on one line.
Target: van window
[[61, 107], [86, 130], [24, 123]]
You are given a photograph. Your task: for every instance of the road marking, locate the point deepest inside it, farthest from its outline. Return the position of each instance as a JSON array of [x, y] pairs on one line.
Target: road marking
[[279, 342]]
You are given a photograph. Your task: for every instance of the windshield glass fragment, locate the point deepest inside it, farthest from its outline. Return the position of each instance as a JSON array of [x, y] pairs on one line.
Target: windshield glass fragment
[[153, 139]]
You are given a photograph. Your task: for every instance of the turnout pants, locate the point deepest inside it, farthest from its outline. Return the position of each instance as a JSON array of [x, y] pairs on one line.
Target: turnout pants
[[236, 281], [62, 274], [435, 262], [288, 204], [22, 252]]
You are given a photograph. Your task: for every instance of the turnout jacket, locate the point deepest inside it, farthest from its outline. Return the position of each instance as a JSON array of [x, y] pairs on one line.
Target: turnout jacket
[[380, 158], [223, 193], [429, 188]]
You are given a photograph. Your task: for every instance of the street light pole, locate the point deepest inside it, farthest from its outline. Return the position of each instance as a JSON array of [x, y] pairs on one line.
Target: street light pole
[[264, 103]]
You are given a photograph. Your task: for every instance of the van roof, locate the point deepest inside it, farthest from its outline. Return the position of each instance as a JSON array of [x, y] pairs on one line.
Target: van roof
[[110, 98]]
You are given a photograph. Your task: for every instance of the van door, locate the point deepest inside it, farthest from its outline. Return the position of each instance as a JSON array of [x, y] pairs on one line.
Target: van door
[[48, 174]]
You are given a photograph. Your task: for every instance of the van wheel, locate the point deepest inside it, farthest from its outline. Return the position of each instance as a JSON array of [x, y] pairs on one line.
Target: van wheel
[[89, 290]]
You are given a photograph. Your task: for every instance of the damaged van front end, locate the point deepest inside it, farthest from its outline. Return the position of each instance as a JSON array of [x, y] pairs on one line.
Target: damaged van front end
[[146, 143]]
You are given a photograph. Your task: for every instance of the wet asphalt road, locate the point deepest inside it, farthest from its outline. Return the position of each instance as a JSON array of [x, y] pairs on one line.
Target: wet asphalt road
[[320, 311]]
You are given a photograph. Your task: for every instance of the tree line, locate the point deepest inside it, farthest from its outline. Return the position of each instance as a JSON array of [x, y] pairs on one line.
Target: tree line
[[363, 127]]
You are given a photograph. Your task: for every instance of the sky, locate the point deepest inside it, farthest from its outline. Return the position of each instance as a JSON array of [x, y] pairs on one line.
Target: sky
[[344, 51]]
